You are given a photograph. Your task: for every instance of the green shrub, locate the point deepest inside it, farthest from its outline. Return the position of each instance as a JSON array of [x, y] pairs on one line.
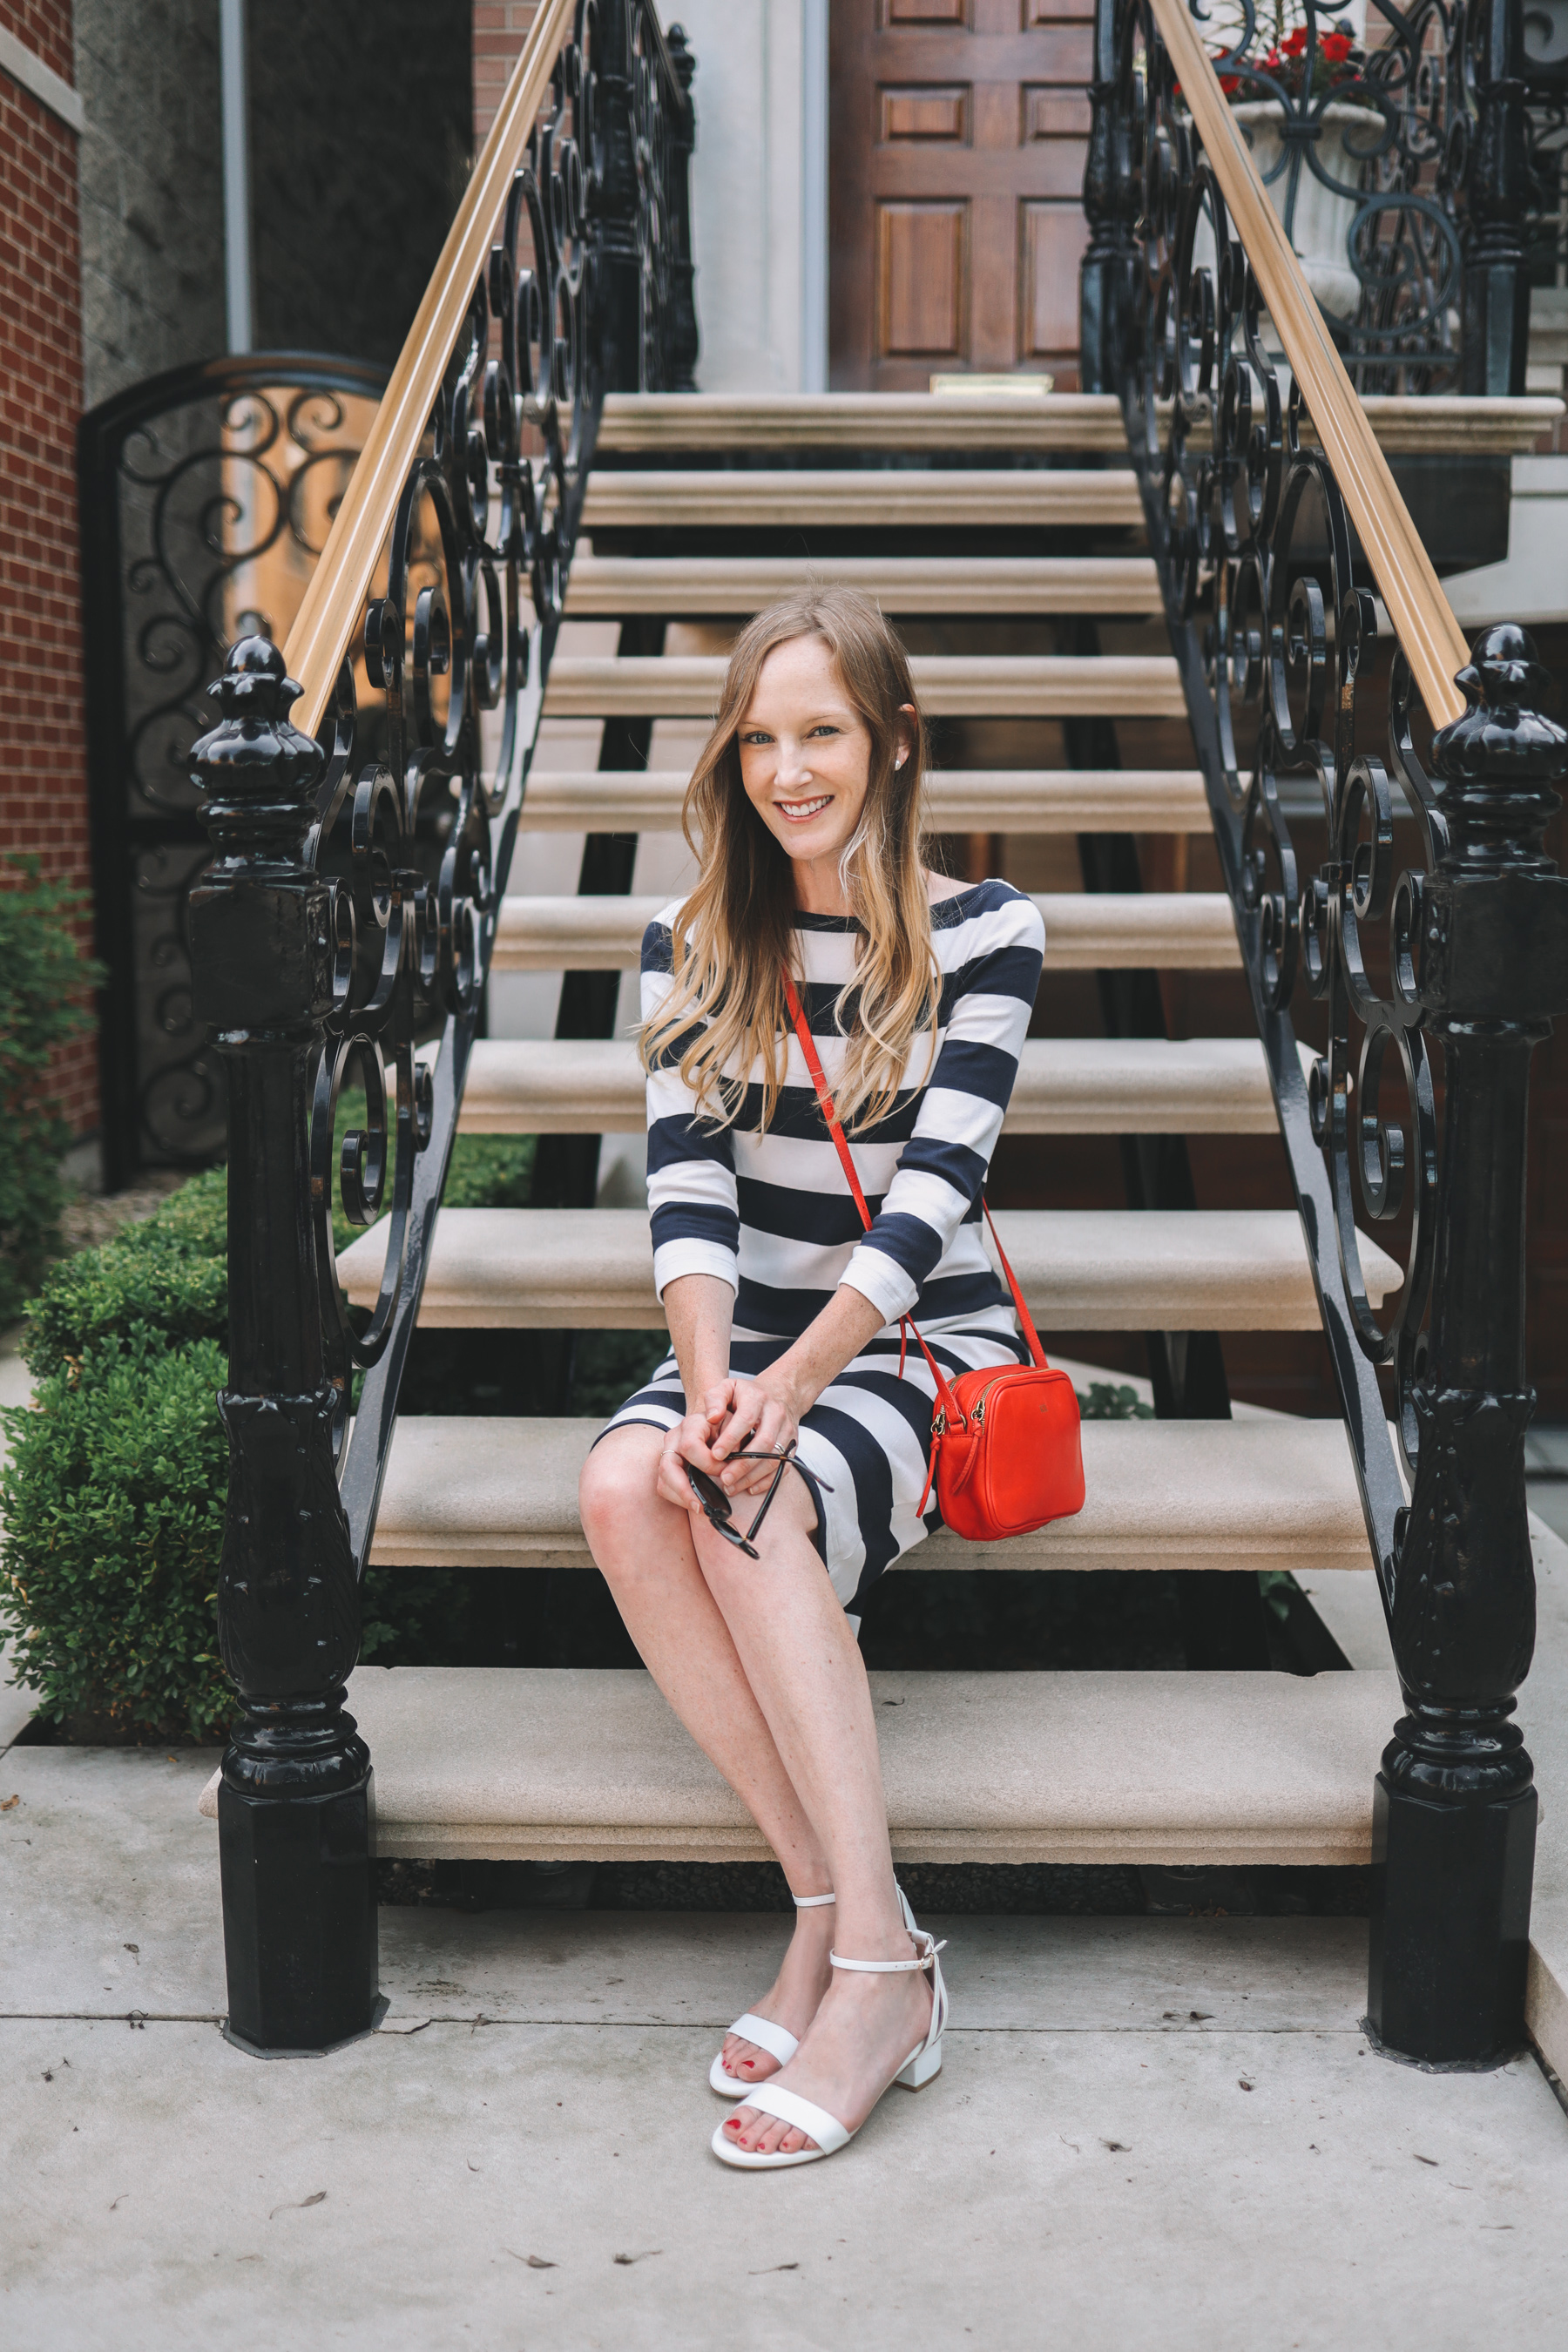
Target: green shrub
[[610, 1366], [1112, 1400], [164, 1281], [112, 1500], [44, 978], [491, 1171]]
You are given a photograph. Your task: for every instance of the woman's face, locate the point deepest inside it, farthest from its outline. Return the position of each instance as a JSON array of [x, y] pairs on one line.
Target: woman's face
[[806, 753]]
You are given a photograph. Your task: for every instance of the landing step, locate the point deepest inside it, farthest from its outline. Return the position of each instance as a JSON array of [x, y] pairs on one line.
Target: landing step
[[1239, 1495], [1066, 1086], [950, 686], [959, 799], [1003, 498], [1174, 930], [589, 1764], [862, 420], [1435, 424], [733, 583], [1081, 1270]]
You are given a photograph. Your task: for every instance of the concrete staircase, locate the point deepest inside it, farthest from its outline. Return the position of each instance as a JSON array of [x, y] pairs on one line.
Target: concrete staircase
[[699, 510]]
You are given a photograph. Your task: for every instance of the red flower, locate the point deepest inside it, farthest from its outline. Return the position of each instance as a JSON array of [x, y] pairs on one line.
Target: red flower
[[1337, 47], [1273, 61], [1296, 42], [1230, 84]]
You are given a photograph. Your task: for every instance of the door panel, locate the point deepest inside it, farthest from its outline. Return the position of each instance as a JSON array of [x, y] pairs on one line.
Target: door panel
[[923, 111], [922, 298], [1051, 244], [1054, 113], [958, 136]]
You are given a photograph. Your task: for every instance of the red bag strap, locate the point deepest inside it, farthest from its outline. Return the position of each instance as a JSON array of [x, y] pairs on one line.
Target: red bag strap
[[830, 1114], [1025, 1317]]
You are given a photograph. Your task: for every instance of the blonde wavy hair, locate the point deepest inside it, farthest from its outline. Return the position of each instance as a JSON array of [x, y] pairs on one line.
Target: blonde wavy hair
[[735, 932]]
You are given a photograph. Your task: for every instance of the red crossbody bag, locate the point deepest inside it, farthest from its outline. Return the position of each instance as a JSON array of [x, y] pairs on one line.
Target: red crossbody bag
[[1006, 1452]]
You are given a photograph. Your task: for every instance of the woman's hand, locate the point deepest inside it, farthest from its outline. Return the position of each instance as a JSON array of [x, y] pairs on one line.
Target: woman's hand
[[752, 1416], [686, 1442], [733, 1416], [758, 1416]]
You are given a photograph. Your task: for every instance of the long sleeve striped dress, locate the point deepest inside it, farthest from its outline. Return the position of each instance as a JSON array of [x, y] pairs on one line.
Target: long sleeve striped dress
[[771, 1215]]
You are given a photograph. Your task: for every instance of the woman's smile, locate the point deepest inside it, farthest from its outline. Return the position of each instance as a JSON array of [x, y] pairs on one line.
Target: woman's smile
[[802, 811]]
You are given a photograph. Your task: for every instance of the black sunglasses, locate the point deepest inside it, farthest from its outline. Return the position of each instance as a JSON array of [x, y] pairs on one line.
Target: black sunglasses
[[718, 1510]]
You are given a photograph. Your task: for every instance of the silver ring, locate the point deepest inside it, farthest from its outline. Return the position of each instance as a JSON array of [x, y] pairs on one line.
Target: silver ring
[[783, 1445]]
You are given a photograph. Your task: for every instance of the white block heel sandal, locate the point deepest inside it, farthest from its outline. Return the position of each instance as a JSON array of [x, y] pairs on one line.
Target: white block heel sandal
[[777, 2039], [771, 2098]]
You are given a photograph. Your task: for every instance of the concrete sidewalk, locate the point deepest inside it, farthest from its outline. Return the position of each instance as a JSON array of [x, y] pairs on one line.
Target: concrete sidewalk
[[1148, 2132]]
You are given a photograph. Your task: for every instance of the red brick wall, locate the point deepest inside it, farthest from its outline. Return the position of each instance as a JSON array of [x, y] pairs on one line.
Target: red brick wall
[[499, 28], [42, 781]]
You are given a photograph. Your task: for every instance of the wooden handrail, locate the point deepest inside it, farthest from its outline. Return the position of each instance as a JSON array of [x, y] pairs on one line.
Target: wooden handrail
[[1433, 641], [333, 602]]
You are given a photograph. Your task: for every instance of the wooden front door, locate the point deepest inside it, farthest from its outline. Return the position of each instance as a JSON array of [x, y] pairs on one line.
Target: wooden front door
[[958, 133]]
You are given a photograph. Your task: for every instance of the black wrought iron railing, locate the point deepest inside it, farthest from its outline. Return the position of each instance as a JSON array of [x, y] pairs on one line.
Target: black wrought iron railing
[[323, 947], [1438, 979], [1397, 147]]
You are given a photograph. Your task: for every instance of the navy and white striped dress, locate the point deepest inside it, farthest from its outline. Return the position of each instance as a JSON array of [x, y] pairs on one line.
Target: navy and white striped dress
[[771, 1215]]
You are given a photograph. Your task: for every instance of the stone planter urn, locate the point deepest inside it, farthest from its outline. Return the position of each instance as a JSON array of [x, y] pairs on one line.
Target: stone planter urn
[[1321, 229]]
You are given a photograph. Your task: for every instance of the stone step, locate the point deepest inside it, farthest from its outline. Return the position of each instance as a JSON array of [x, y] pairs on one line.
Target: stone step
[[711, 421], [674, 584], [960, 799], [1066, 1086], [590, 1764], [840, 499], [1241, 1495], [950, 686], [1174, 930], [1434, 425], [1080, 1270]]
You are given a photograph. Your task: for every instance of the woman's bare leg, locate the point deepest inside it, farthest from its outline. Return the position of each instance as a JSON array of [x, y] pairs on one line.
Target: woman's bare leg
[[644, 1548], [800, 1660]]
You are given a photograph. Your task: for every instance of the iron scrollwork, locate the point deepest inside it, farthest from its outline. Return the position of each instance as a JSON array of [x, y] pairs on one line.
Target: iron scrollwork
[[1397, 150], [1358, 119], [1437, 979], [207, 494], [346, 928]]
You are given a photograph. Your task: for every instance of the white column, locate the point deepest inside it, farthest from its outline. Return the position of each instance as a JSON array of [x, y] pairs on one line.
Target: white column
[[814, 245]]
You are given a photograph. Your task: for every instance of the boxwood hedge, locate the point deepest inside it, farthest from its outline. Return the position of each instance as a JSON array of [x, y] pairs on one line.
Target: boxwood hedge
[[112, 1497], [44, 980]]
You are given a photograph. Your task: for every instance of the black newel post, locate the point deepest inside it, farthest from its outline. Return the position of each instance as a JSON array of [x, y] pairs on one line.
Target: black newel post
[[1496, 314], [1111, 202], [1456, 1806], [295, 1802], [683, 337]]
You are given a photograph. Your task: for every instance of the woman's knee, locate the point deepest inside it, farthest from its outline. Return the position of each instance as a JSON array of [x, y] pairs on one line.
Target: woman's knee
[[615, 1495]]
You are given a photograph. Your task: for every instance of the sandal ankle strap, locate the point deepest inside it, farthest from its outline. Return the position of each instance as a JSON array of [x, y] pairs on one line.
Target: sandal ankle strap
[[812, 1902], [926, 1960]]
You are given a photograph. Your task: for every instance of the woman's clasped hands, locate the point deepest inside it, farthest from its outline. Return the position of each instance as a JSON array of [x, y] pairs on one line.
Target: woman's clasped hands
[[732, 1417]]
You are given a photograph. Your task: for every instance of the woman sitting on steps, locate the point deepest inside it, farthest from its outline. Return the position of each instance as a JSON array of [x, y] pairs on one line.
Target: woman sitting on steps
[[783, 1312]]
